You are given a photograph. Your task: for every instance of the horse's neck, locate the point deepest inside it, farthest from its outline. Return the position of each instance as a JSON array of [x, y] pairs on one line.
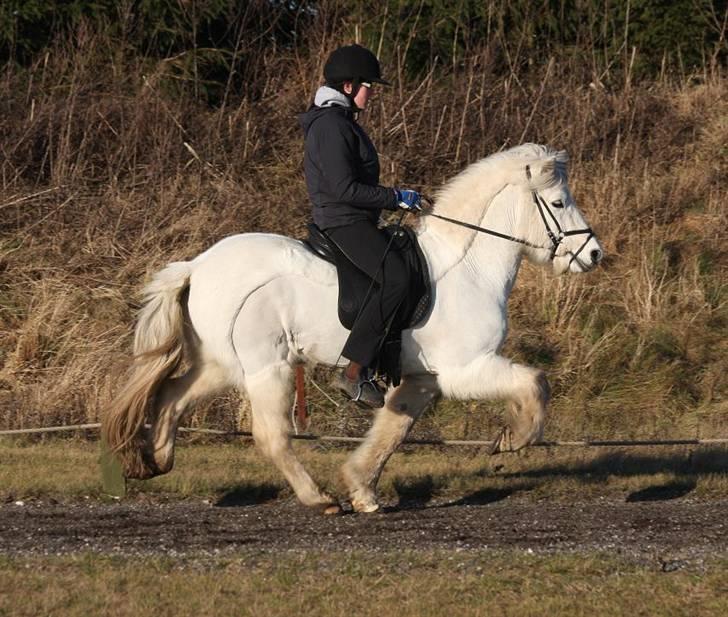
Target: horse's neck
[[490, 263]]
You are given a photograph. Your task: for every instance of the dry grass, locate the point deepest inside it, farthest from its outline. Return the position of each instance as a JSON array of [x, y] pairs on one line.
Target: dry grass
[[110, 168], [68, 470], [508, 583]]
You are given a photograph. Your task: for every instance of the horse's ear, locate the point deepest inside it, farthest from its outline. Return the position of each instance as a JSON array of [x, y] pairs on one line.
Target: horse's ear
[[545, 170], [549, 167], [540, 172]]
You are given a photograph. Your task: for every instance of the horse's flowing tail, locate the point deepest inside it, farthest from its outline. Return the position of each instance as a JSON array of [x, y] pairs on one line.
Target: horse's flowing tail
[[158, 350]]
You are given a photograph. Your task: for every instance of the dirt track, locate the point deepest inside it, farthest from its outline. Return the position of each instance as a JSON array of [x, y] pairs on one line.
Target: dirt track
[[667, 530]]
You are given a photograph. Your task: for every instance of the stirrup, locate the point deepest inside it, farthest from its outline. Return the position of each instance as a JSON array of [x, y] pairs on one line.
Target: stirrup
[[357, 392], [360, 388]]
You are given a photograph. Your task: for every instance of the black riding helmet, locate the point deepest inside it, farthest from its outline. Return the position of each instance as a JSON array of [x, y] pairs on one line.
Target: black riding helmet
[[353, 63]]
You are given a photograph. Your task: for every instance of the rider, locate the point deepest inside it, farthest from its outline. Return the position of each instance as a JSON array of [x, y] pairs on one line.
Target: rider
[[342, 176]]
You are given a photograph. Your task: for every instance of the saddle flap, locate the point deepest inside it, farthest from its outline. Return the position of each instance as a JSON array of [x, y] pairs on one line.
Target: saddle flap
[[353, 283], [404, 241]]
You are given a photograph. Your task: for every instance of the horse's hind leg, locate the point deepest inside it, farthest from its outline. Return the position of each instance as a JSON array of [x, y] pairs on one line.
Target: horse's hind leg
[[271, 396], [174, 398], [362, 470]]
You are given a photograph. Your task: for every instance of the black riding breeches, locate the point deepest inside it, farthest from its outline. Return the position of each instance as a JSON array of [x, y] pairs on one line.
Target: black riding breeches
[[364, 244]]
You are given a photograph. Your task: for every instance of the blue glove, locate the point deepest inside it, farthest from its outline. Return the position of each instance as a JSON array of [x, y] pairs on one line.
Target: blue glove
[[409, 200]]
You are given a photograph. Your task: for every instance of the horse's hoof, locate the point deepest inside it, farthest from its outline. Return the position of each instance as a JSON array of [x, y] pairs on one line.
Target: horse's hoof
[[365, 507], [332, 509], [503, 443]]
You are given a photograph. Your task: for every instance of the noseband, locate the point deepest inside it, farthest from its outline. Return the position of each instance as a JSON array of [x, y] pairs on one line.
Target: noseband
[[557, 239], [556, 235]]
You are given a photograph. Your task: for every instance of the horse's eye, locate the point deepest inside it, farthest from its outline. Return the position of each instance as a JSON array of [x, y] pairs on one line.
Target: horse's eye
[[557, 204]]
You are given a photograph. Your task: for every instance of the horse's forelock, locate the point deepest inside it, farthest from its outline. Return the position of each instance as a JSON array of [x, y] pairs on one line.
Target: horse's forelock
[[551, 165]]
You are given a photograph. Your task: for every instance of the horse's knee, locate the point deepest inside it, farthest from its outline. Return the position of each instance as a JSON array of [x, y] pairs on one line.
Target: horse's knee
[[270, 433], [276, 449]]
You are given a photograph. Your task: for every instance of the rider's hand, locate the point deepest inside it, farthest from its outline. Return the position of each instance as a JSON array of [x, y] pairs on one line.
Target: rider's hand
[[409, 200]]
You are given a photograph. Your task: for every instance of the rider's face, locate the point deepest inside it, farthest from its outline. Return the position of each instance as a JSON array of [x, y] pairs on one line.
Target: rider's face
[[362, 97]]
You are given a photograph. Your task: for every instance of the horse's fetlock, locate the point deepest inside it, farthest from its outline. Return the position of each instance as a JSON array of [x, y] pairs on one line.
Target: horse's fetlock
[[318, 500], [363, 498], [364, 506]]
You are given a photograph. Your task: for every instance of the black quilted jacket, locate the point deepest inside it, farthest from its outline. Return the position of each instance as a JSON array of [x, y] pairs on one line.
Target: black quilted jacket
[[342, 169]]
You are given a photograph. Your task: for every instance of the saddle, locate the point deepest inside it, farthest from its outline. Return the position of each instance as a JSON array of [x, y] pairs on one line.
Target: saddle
[[355, 284]]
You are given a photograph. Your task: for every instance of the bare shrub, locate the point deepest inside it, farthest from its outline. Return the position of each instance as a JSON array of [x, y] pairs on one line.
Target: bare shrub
[[109, 171]]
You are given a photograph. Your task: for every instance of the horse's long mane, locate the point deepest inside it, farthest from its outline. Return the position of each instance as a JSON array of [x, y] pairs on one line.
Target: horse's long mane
[[467, 196], [457, 195]]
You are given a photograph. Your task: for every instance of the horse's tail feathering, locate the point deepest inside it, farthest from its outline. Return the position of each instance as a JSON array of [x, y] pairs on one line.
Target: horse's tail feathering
[[158, 350]]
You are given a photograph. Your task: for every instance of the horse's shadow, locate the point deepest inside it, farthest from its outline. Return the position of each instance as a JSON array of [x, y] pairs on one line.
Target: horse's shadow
[[663, 492], [418, 492], [485, 496], [244, 495], [688, 467], [412, 493], [695, 463]]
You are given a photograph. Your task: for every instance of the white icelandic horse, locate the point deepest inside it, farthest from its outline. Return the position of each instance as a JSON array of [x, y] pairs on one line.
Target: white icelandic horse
[[245, 312]]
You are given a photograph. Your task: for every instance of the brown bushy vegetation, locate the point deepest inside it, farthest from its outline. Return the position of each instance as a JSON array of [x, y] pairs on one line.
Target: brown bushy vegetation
[[111, 166]]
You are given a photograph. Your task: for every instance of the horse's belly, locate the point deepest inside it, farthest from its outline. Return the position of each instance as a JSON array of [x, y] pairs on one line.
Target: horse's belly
[[289, 319]]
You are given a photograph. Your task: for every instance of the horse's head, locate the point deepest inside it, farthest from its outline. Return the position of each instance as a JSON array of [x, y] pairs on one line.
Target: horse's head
[[557, 230]]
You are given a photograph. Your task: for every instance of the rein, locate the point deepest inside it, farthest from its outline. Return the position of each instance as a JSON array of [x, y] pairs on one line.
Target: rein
[[556, 237]]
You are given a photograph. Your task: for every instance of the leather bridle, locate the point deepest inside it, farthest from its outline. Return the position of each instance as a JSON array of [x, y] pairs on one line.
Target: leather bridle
[[555, 234]]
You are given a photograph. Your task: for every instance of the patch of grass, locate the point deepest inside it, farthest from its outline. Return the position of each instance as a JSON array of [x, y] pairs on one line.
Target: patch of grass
[[231, 473], [358, 583]]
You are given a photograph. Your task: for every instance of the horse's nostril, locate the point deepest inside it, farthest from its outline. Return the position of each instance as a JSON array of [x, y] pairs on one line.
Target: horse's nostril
[[596, 256]]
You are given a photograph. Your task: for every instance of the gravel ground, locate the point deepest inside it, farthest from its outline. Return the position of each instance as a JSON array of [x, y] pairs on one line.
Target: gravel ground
[[670, 531]]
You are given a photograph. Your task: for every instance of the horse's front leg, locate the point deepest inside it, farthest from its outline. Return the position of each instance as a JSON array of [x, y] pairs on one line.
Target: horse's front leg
[[493, 377], [526, 413], [363, 468]]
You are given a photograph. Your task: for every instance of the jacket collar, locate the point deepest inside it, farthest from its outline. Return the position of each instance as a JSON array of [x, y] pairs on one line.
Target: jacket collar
[[328, 97]]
